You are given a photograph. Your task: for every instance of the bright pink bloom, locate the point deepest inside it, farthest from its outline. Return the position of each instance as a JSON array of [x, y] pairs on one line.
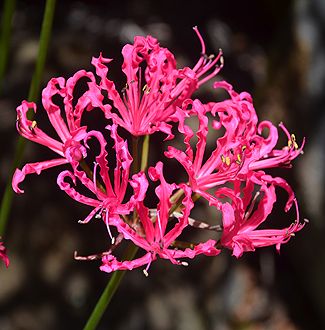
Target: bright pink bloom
[[70, 132], [107, 201], [239, 151], [3, 254], [249, 210], [149, 98], [155, 238]]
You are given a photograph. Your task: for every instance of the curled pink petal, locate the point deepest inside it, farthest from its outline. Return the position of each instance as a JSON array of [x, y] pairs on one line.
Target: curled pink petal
[[154, 237], [19, 175], [150, 97], [67, 123], [241, 225], [3, 254], [239, 152]]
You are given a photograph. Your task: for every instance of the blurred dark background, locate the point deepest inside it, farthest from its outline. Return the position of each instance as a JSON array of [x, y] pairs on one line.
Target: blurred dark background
[[275, 51]]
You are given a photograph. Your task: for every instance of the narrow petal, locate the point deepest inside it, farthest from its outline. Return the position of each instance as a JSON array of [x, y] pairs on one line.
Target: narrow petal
[[19, 175], [111, 264]]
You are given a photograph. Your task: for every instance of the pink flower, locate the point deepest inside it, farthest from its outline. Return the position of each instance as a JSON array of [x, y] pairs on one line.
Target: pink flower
[[107, 195], [150, 97], [3, 254], [240, 150], [249, 210], [155, 238], [71, 133]]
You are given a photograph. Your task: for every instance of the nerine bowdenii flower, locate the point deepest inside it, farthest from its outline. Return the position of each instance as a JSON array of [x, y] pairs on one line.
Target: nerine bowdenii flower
[[71, 133], [232, 176], [240, 149], [154, 238], [149, 99], [106, 196], [251, 206]]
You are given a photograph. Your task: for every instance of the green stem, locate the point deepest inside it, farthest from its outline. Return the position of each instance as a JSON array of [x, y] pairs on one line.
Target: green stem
[[6, 24], [131, 251], [145, 153], [32, 96], [109, 291], [45, 36]]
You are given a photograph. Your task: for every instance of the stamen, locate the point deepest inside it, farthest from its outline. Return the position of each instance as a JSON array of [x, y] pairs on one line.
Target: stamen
[[250, 209], [203, 225], [108, 229], [200, 38], [32, 126], [91, 257], [146, 89], [94, 176], [222, 60], [145, 273], [124, 89], [159, 224]]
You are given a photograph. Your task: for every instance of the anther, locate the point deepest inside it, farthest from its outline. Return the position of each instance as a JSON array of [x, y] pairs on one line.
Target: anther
[[146, 89], [145, 273], [223, 158], [227, 161], [184, 263], [125, 88], [33, 125]]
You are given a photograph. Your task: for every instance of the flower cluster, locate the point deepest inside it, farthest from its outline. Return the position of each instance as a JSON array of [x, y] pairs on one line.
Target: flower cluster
[[158, 97]]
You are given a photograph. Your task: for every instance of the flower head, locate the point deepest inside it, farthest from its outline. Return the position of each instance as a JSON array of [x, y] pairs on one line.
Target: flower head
[[107, 195], [149, 99], [247, 213], [155, 238], [239, 151], [70, 132]]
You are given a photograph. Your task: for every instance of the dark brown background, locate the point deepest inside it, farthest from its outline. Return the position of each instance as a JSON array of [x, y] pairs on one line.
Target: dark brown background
[[274, 50]]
